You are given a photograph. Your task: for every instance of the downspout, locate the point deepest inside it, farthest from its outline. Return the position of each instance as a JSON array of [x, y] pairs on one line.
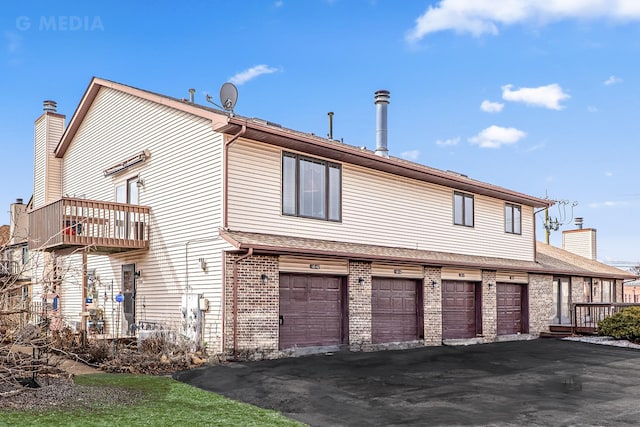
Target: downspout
[[225, 196], [235, 300]]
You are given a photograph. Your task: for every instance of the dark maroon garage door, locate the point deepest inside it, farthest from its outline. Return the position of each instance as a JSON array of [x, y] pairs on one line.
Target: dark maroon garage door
[[509, 299], [458, 309], [394, 310], [310, 310]]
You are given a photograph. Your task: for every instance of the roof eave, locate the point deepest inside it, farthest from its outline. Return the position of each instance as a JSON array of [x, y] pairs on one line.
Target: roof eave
[[336, 151]]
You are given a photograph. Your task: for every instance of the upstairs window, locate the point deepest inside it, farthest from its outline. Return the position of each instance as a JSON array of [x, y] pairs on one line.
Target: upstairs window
[[512, 219], [311, 188], [463, 209]]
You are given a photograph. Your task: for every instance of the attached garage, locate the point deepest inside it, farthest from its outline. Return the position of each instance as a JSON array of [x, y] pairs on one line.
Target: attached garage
[[311, 310], [460, 309], [395, 310], [512, 308]]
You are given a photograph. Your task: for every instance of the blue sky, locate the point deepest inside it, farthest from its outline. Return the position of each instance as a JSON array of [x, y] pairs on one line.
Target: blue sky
[[539, 97]]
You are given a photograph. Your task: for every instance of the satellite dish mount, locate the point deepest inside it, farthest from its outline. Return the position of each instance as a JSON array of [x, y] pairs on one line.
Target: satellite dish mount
[[228, 97]]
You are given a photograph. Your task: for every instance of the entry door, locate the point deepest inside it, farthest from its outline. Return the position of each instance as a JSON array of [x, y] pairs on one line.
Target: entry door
[[127, 192], [129, 293], [561, 301], [311, 310]]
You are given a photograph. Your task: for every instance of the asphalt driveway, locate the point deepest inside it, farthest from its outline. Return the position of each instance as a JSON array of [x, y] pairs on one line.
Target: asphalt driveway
[[540, 382]]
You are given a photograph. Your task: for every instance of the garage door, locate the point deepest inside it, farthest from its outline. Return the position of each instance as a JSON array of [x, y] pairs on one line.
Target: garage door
[[509, 304], [458, 309], [394, 310], [310, 310]]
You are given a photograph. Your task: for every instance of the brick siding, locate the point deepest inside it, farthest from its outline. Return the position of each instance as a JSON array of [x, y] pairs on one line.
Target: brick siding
[[432, 306], [489, 305], [359, 305], [258, 306], [540, 303]]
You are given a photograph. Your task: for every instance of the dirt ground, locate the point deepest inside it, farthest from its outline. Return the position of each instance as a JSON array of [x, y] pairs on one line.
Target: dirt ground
[[538, 382]]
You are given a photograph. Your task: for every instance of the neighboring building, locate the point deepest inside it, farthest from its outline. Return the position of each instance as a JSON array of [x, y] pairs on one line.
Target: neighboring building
[[632, 291], [15, 265], [256, 239]]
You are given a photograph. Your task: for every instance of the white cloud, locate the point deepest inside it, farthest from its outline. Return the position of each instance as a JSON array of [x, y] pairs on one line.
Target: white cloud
[[410, 155], [548, 96], [448, 142], [491, 107], [497, 136], [608, 204], [612, 80], [250, 74], [592, 109], [608, 173], [535, 148], [479, 17]]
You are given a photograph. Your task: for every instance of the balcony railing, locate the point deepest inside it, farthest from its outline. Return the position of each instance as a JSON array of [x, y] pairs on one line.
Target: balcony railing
[[107, 227], [9, 268], [586, 315]]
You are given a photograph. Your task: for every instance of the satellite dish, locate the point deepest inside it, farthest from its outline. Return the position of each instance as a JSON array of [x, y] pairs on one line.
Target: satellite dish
[[228, 96]]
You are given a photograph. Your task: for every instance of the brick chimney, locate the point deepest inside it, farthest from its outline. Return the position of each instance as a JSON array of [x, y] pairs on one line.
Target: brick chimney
[[47, 178], [581, 241]]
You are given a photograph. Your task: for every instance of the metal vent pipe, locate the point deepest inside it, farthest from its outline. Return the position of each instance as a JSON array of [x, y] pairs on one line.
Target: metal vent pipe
[[381, 101], [50, 106]]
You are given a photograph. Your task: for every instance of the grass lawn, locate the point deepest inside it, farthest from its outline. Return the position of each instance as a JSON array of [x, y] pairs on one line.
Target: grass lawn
[[165, 402]]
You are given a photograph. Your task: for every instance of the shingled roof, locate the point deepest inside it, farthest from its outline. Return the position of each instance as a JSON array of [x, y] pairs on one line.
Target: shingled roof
[[550, 260]]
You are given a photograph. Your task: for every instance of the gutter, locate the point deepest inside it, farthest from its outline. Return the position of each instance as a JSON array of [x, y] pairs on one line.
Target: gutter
[[225, 204], [235, 300]]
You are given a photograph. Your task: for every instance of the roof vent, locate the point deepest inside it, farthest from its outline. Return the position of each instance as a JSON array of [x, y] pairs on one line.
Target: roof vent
[[579, 222], [381, 101]]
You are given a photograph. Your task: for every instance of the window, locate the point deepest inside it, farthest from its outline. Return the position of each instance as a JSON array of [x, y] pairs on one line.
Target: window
[[463, 209], [25, 255], [604, 291], [311, 188], [512, 219]]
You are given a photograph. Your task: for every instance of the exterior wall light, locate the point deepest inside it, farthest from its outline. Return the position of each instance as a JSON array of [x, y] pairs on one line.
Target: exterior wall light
[[264, 278], [361, 281], [492, 285], [434, 284]]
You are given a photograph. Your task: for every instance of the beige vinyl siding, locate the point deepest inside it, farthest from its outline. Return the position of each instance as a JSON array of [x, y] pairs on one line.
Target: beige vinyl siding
[[377, 208], [293, 264], [70, 291], [511, 277], [465, 274], [39, 164], [580, 242], [55, 129], [397, 270], [183, 188], [47, 168]]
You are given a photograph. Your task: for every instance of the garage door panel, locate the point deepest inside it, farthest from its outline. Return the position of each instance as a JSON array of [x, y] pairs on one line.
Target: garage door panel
[[394, 310], [458, 310], [310, 311], [509, 307]]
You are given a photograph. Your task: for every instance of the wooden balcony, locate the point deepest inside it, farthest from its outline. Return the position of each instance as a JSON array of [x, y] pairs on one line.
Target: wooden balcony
[[105, 227], [9, 269]]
